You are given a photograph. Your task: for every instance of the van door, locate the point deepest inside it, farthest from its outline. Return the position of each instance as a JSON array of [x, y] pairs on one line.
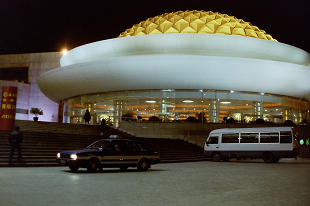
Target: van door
[[212, 144]]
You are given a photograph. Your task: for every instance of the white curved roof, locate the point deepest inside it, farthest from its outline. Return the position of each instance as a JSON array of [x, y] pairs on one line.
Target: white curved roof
[[180, 61]]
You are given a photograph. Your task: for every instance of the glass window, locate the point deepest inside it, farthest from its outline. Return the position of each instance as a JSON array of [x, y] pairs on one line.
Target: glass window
[[213, 140], [286, 137], [249, 137], [98, 145], [230, 138], [115, 146], [131, 146], [141, 147], [269, 137]]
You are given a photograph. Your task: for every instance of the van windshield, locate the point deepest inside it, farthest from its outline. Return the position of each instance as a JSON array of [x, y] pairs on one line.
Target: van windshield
[[213, 140]]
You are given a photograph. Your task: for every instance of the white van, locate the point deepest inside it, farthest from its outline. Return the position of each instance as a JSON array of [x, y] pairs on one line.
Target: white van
[[268, 143]]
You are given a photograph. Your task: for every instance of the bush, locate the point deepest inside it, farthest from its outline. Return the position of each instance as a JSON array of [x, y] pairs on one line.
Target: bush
[[191, 119], [154, 119], [260, 121], [230, 120], [288, 123]]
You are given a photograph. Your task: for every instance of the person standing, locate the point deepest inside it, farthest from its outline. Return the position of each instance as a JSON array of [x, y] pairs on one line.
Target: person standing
[[87, 117], [103, 124], [15, 139]]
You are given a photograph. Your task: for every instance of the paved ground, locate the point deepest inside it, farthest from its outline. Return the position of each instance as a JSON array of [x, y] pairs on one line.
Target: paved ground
[[196, 183]]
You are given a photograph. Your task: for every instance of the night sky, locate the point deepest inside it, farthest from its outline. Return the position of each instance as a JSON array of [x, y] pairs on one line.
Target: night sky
[[30, 26]]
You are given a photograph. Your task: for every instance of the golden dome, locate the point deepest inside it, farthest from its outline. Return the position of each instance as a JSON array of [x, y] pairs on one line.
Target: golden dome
[[196, 22]]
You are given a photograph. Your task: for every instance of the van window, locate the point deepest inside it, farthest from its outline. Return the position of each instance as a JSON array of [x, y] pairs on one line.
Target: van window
[[230, 138], [269, 137], [249, 137], [213, 140], [285, 137]]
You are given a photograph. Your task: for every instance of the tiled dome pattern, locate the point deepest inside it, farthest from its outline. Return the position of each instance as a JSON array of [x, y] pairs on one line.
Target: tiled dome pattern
[[196, 22]]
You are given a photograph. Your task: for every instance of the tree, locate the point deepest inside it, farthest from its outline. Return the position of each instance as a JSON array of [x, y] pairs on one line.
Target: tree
[[36, 111]]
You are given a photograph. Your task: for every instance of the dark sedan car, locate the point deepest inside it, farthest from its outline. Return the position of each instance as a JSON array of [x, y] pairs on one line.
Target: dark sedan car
[[105, 153]]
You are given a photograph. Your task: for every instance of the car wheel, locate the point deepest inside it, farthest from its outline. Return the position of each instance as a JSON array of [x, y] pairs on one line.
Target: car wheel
[[124, 168], [73, 168], [216, 157], [143, 165], [92, 165], [268, 157]]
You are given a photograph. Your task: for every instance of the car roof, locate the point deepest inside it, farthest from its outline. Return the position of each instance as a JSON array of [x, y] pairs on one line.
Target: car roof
[[110, 140]]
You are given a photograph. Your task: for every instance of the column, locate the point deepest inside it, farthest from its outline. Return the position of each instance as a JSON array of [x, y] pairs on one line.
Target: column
[[8, 107]]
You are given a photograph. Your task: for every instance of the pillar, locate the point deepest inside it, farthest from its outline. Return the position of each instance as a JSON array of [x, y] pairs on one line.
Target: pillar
[[8, 108]]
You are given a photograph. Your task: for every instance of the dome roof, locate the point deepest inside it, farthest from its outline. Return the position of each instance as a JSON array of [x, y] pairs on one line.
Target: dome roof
[[196, 22]]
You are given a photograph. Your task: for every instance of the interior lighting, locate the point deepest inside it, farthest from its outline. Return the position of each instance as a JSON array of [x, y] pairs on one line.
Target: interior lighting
[[150, 101], [188, 101], [225, 102]]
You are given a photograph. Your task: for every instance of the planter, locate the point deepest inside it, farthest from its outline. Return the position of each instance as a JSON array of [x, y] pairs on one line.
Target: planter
[[35, 118]]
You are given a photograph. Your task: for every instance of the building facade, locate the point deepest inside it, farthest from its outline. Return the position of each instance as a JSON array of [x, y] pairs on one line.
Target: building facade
[[21, 71], [208, 66]]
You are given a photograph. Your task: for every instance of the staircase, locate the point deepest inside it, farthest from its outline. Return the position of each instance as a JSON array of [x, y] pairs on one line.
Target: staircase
[[42, 141]]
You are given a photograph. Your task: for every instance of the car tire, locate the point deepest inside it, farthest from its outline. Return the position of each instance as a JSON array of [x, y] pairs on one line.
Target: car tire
[[93, 165], [216, 157], [74, 168], [143, 165]]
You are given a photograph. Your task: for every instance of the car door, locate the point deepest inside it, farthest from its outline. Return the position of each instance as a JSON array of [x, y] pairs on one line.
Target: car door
[[113, 154], [132, 151]]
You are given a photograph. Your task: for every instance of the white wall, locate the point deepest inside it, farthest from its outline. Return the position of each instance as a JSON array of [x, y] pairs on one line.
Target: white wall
[[29, 95]]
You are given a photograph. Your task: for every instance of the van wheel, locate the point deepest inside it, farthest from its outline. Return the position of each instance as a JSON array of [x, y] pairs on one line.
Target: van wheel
[[268, 157], [216, 157], [92, 165]]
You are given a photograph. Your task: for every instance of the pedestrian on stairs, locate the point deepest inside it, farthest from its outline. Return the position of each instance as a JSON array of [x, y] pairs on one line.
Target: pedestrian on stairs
[[15, 139], [87, 117], [103, 124]]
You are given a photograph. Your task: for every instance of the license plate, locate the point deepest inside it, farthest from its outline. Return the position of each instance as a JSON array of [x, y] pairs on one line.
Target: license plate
[[63, 161]]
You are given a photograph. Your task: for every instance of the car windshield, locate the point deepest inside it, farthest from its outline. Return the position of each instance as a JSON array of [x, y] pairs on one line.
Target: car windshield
[[100, 144]]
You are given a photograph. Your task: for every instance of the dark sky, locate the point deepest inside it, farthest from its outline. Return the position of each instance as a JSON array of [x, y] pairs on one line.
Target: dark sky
[[29, 26]]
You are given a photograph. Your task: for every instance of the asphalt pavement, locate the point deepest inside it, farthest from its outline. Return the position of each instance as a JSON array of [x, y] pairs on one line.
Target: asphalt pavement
[[246, 182]]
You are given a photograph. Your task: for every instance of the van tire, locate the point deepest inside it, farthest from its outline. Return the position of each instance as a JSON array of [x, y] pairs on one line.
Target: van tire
[[216, 157], [268, 157]]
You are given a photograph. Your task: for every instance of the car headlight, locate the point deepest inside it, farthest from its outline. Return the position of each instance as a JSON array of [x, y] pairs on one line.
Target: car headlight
[[73, 156], [58, 155]]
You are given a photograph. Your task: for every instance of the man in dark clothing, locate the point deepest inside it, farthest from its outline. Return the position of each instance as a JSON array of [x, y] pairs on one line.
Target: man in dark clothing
[[15, 139], [87, 117], [103, 124]]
